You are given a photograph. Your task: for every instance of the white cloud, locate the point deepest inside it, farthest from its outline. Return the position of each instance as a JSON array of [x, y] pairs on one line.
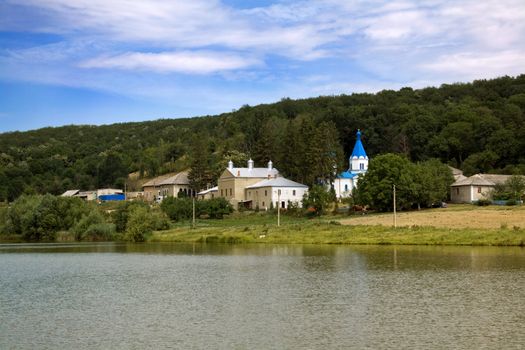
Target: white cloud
[[469, 65], [392, 43], [201, 62]]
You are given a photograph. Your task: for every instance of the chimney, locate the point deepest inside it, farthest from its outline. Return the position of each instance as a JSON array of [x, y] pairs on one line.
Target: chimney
[[230, 165], [270, 165], [250, 164]]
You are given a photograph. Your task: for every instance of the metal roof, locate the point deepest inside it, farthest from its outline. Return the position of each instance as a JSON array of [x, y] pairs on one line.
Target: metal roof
[[347, 175], [253, 172], [359, 150], [277, 182]]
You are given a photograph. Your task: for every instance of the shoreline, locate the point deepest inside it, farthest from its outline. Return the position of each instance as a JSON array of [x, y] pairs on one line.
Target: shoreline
[[335, 233]]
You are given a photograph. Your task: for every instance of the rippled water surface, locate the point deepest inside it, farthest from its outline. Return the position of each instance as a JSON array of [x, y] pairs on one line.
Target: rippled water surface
[[113, 296]]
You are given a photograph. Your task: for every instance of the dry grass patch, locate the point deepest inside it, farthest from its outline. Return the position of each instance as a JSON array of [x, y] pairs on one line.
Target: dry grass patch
[[456, 216]]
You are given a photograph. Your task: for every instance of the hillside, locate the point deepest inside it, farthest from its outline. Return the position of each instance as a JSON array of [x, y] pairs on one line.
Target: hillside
[[478, 127]]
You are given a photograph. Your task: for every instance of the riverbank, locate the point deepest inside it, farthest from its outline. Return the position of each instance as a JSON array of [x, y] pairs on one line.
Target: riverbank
[[322, 232]]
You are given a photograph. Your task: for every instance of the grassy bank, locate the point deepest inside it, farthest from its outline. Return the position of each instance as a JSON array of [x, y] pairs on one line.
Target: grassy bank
[[302, 231]]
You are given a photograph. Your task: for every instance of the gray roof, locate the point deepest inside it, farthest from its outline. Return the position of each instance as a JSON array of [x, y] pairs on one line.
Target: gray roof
[[177, 179], [157, 180], [253, 172], [455, 171], [277, 182], [482, 180]]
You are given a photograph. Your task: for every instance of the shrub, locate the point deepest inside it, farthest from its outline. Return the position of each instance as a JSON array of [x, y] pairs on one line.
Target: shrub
[[178, 208], [511, 202], [216, 208], [120, 215], [483, 202], [100, 232], [140, 225], [93, 227]]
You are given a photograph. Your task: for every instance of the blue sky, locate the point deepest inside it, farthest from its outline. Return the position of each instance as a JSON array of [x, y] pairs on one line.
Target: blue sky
[[103, 61]]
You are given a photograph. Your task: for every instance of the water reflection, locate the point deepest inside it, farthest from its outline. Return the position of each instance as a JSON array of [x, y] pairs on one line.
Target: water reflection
[[113, 295]]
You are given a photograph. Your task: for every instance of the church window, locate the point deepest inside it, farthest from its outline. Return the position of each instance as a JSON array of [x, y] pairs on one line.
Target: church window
[[361, 166], [346, 187], [293, 193]]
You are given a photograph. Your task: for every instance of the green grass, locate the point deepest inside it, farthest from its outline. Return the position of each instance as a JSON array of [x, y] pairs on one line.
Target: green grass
[[263, 229]]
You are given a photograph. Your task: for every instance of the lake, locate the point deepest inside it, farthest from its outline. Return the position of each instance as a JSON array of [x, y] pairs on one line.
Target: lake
[[135, 296]]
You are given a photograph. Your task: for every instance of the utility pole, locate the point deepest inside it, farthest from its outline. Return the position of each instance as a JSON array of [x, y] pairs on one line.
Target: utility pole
[[278, 207], [395, 216], [193, 221]]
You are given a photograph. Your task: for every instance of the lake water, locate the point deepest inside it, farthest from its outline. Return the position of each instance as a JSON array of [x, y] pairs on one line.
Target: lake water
[[135, 296]]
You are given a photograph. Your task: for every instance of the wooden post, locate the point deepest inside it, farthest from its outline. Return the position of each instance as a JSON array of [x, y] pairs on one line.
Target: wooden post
[[395, 215]]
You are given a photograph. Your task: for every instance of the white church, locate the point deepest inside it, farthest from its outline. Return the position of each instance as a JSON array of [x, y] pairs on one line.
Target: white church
[[347, 180]]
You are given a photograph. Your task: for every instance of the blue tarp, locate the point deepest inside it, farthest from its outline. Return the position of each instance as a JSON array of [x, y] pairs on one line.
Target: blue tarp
[[112, 197]]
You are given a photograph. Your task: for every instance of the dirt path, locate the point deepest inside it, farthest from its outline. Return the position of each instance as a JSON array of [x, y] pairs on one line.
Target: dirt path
[[453, 217]]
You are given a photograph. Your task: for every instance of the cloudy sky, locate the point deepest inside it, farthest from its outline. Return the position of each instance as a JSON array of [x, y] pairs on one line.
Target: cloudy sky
[[104, 61]]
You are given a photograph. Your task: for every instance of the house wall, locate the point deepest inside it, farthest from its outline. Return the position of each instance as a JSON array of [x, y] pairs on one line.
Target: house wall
[[481, 192], [339, 186], [173, 190], [209, 195], [150, 192], [469, 193]]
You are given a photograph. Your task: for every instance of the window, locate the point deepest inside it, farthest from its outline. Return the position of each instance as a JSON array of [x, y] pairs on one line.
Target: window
[[479, 189], [221, 193], [263, 204], [346, 187], [265, 193], [231, 191], [293, 192], [457, 190], [361, 166]]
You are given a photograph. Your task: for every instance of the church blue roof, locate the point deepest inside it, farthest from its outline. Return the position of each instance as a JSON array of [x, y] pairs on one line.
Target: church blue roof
[[359, 150], [347, 175]]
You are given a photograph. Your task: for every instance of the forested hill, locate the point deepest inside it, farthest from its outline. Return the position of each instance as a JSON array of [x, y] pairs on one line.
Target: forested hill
[[478, 127]]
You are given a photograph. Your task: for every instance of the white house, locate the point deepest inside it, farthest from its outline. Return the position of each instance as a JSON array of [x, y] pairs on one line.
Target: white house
[[275, 192], [475, 187], [358, 165]]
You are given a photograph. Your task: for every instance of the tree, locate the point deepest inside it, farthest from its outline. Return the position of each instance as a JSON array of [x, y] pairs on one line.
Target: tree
[[317, 199], [376, 186], [516, 186], [432, 183], [200, 175]]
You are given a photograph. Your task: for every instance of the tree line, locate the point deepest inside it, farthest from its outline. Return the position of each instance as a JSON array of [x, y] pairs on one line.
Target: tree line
[[477, 127]]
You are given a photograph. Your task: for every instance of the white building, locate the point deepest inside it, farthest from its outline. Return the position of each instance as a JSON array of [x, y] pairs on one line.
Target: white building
[[358, 165], [275, 192]]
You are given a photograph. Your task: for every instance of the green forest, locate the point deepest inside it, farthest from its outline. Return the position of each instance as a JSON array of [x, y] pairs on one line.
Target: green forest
[[477, 127]]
